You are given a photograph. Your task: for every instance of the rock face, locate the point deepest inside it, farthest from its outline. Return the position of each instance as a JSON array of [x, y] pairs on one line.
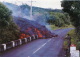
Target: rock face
[[29, 28]]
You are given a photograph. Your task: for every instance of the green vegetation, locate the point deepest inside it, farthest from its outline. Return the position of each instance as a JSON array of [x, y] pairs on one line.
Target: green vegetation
[[74, 39], [59, 19], [43, 15], [51, 16], [65, 45], [53, 27], [73, 9], [8, 30]]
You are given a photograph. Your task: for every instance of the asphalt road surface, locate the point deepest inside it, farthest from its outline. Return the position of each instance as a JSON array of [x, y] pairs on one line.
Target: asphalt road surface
[[51, 47]]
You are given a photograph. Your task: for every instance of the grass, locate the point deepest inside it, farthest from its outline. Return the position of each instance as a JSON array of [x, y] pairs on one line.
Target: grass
[[74, 38], [53, 27], [65, 45]]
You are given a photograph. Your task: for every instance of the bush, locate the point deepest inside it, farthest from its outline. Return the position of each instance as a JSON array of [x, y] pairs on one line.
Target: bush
[[8, 29], [74, 39]]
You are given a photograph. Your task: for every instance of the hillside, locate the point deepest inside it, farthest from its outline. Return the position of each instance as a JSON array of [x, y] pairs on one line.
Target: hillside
[[42, 15]]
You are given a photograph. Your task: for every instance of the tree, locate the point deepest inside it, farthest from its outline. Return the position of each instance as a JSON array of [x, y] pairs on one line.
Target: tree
[[5, 16], [67, 19], [73, 9], [8, 29], [59, 19], [51, 18]]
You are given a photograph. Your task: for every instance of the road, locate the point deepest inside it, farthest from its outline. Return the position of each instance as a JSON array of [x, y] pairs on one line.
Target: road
[[51, 47]]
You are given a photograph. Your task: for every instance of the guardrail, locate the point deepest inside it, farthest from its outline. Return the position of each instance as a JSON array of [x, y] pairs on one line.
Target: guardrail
[[18, 42]]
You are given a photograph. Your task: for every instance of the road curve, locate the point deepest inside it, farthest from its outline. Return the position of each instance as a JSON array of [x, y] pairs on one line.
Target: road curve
[[40, 48]]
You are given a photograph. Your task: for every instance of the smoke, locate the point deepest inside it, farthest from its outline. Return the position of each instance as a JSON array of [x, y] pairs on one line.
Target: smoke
[[12, 7], [24, 12], [17, 10]]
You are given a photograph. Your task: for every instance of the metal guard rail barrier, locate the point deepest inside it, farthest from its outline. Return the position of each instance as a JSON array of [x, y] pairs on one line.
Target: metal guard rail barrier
[[18, 42]]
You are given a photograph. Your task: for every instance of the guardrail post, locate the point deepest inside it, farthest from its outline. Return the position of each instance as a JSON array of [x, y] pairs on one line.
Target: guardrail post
[[4, 46], [30, 38], [25, 39], [20, 41], [13, 43], [34, 37]]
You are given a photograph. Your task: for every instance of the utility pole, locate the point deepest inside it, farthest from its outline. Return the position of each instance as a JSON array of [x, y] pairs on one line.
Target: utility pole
[[31, 16], [31, 10]]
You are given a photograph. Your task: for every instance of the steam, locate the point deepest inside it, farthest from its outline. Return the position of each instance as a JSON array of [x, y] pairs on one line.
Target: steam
[[25, 13], [17, 11]]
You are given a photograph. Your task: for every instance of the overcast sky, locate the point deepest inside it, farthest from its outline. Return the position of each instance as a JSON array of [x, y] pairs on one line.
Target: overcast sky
[[54, 4]]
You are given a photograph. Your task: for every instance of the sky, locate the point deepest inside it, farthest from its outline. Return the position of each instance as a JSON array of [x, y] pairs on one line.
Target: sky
[[53, 4]]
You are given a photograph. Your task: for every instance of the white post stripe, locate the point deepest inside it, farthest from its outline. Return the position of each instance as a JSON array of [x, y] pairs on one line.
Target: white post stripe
[[20, 41], [4, 46], [30, 38], [13, 43], [34, 36], [25, 39]]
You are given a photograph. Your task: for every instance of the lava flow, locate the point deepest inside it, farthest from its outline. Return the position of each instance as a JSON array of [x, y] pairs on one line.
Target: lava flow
[[29, 28]]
